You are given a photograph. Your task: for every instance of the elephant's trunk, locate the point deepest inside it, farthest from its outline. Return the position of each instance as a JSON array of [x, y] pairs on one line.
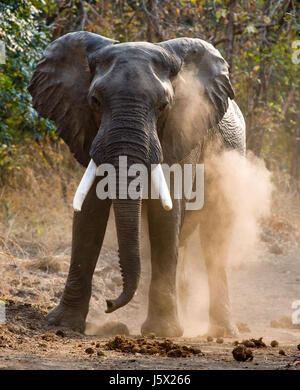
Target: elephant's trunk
[[128, 130], [128, 221]]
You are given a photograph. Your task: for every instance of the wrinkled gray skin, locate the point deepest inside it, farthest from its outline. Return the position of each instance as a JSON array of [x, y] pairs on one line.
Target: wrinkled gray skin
[[110, 99]]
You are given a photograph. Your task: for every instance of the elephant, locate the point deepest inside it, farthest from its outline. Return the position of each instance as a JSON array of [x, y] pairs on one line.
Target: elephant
[[111, 99]]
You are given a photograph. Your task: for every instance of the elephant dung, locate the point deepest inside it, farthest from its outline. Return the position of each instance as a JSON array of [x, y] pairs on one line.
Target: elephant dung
[[242, 353], [145, 346]]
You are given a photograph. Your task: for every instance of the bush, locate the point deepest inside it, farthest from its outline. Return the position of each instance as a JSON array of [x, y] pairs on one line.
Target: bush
[[25, 37]]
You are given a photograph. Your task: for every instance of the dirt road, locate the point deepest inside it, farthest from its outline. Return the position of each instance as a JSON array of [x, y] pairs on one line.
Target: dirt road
[[261, 291]]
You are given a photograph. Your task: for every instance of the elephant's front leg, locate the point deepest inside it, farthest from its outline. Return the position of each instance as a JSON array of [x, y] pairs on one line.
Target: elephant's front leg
[[164, 227], [89, 227]]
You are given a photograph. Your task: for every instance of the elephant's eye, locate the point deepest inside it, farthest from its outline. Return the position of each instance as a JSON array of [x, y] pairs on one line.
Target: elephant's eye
[[95, 101], [163, 105]]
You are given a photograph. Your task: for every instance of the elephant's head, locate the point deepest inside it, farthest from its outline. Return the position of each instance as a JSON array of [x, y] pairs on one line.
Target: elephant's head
[[112, 99]]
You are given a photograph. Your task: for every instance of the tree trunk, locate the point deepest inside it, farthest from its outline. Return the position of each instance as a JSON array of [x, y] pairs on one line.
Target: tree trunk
[[295, 166], [230, 33], [154, 30]]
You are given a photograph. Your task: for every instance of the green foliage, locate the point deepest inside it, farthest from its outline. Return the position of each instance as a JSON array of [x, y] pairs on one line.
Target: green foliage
[[255, 37], [25, 37]]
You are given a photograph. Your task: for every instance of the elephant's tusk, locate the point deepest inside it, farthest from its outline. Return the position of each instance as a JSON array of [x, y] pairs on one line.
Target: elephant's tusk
[[84, 185], [161, 187]]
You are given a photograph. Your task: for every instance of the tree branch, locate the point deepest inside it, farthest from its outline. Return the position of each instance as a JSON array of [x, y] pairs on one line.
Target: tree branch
[[240, 31], [153, 19]]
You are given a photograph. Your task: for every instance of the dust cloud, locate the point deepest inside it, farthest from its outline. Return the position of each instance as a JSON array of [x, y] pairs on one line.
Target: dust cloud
[[244, 189], [238, 193], [237, 197]]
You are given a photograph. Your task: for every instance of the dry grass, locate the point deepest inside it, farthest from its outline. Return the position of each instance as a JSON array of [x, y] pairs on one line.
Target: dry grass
[[286, 198], [36, 213], [45, 264], [284, 220]]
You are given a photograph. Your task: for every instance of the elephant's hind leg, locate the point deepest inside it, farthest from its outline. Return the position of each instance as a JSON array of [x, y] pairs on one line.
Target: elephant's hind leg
[[214, 229], [89, 227], [182, 282]]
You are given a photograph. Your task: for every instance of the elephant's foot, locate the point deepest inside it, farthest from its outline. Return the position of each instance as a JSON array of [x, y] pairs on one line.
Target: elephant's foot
[[67, 316], [223, 330], [161, 327]]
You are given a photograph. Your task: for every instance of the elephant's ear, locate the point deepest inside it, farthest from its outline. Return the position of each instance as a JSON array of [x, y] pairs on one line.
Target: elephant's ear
[[202, 89], [59, 88]]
